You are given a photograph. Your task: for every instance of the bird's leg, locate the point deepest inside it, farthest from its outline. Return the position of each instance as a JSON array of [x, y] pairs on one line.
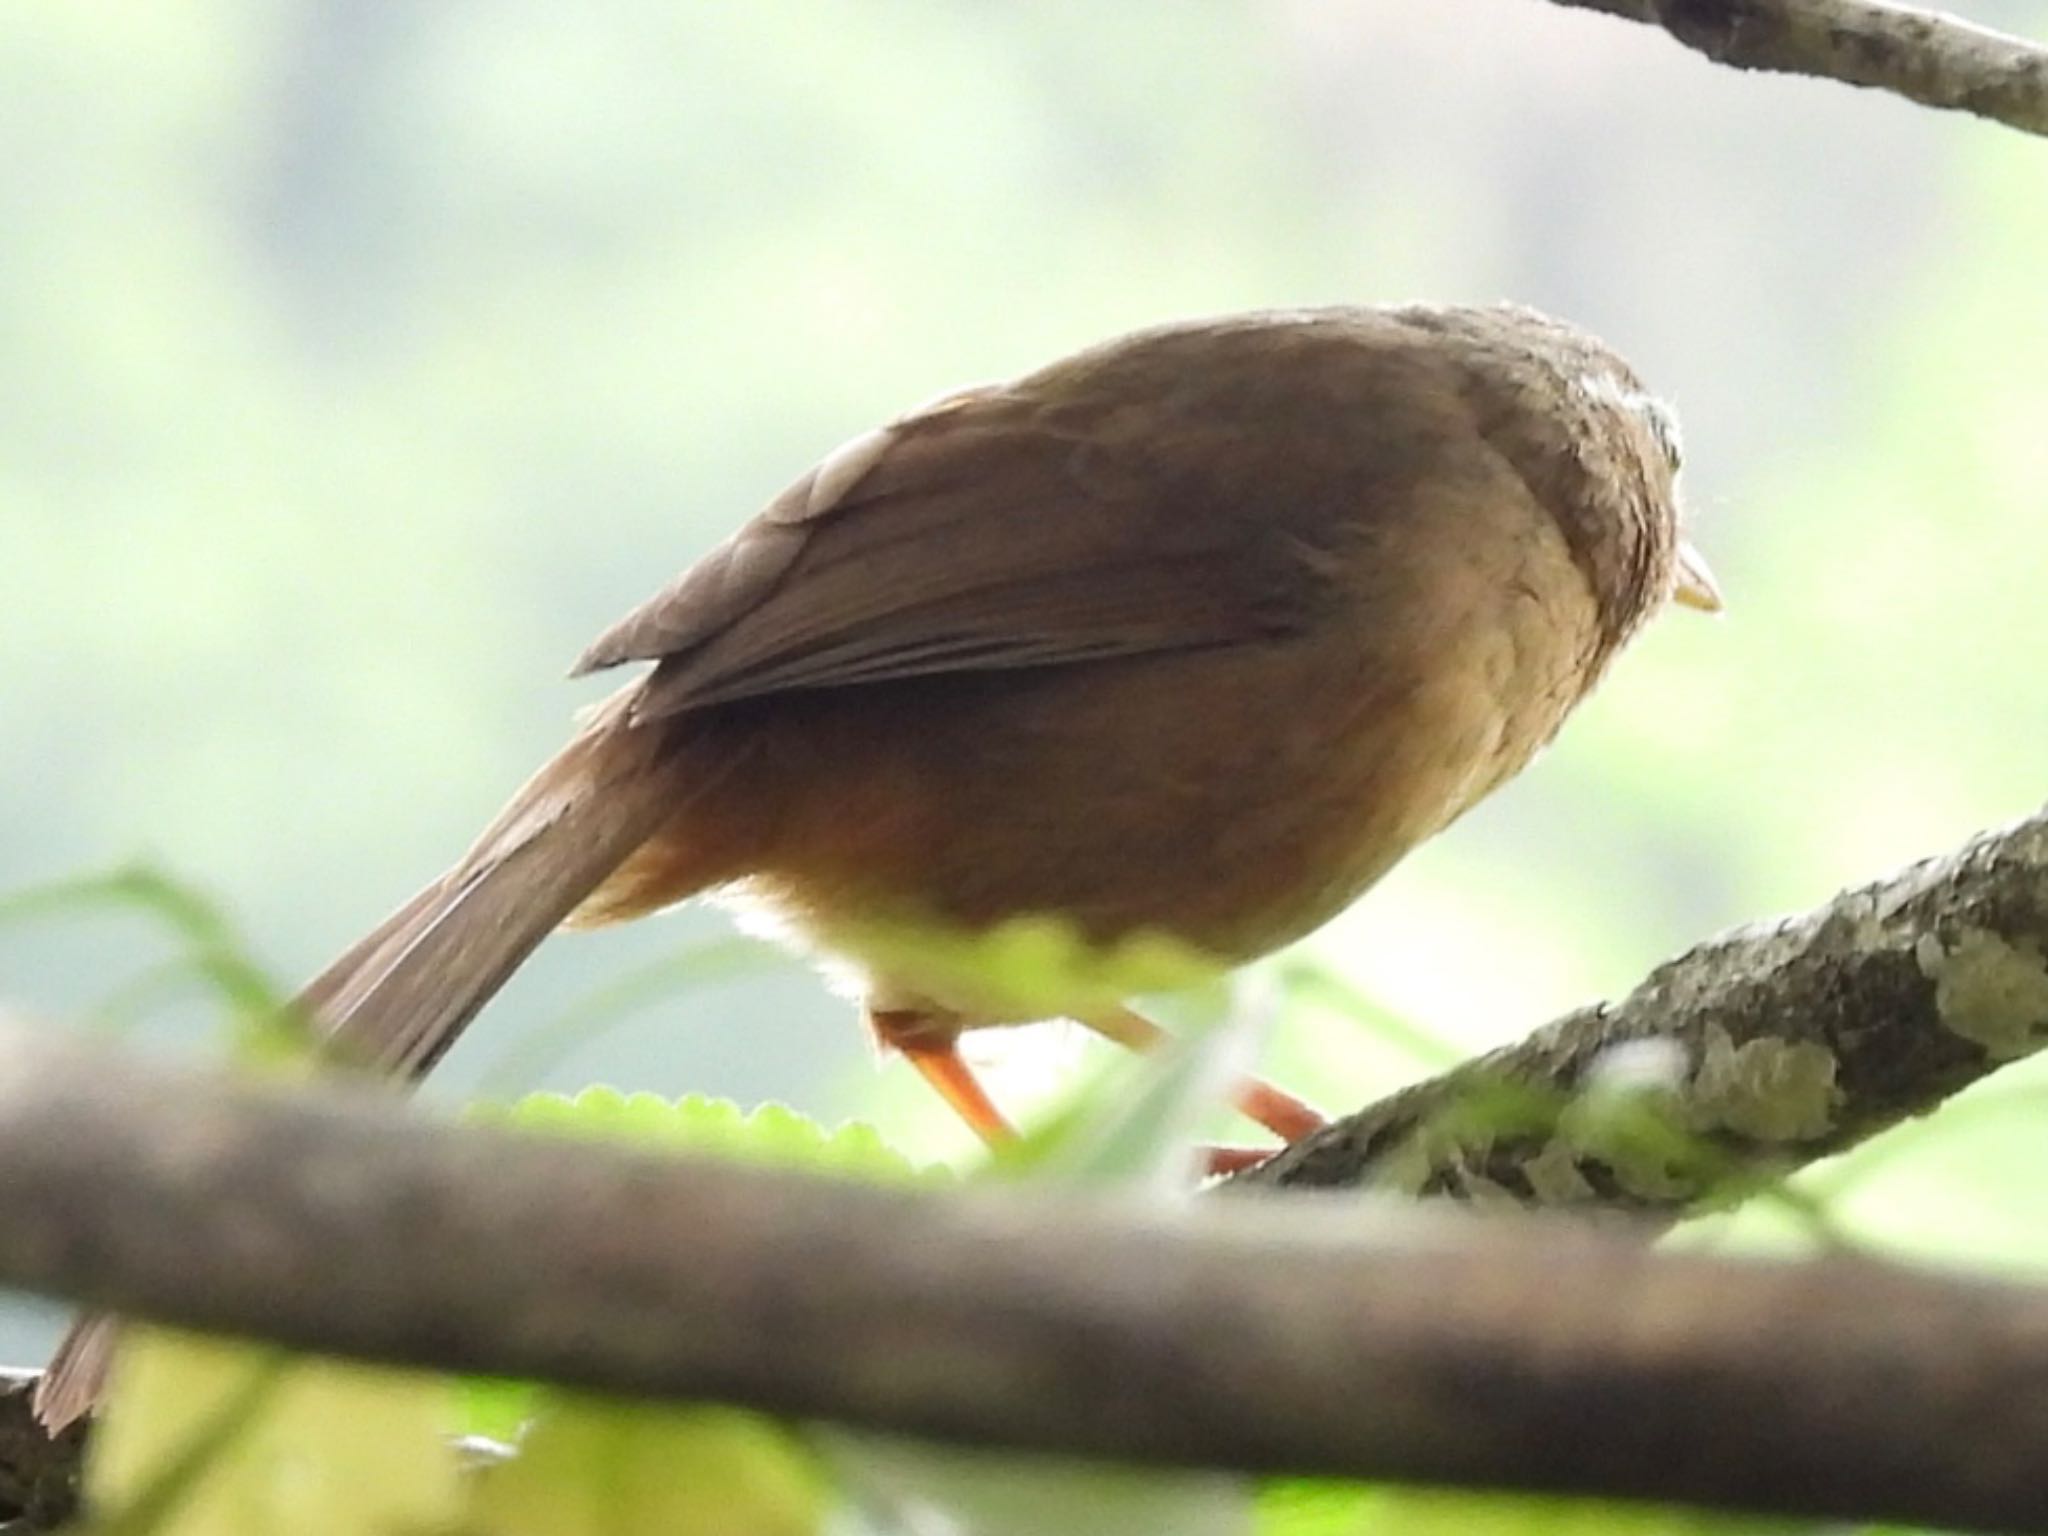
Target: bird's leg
[[930, 1042], [1277, 1110]]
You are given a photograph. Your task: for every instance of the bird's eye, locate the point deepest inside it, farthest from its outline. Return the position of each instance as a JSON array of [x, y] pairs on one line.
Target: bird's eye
[[1605, 389], [1664, 427]]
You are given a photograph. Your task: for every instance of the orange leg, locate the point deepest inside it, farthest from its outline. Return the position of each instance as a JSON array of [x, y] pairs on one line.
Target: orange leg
[[931, 1044], [1277, 1110]]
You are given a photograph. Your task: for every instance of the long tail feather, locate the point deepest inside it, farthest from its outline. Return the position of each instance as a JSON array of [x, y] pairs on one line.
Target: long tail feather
[[395, 1001], [70, 1384]]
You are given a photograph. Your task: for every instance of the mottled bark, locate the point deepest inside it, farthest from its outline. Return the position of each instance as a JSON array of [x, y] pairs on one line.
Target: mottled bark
[[1781, 1042], [1924, 56]]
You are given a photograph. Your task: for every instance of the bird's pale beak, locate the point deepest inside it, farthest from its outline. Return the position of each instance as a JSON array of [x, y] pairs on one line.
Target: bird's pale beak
[[1696, 586]]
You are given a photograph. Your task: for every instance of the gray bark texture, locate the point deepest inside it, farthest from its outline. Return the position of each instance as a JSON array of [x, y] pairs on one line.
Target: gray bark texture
[[1768, 1047], [1924, 56]]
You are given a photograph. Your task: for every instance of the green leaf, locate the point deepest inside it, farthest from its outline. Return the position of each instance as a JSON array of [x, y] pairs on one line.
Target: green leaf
[[1313, 1506], [593, 1467], [1393, 1511], [910, 1486], [772, 1135], [206, 1437], [1330, 1507], [1036, 967]]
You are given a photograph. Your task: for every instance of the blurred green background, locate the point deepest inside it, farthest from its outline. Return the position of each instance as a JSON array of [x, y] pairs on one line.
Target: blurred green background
[[359, 362]]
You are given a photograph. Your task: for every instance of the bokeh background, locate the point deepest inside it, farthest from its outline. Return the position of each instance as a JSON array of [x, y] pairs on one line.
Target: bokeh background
[[359, 362]]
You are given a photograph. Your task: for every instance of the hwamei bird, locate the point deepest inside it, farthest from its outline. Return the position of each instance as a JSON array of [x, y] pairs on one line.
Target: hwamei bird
[[1194, 633]]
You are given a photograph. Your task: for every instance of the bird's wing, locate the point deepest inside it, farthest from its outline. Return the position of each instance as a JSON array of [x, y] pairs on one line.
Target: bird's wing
[[983, 533]]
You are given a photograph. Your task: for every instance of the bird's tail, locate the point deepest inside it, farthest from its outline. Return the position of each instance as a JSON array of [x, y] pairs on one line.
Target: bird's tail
[[71, 1382], [395, 1001]]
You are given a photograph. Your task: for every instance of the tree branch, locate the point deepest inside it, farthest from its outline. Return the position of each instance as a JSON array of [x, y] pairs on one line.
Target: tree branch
[[1791, 1040], [1924, 56], [1228, 1334]]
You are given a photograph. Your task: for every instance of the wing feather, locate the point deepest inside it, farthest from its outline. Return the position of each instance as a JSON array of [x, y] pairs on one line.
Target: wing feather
[[987, 534]]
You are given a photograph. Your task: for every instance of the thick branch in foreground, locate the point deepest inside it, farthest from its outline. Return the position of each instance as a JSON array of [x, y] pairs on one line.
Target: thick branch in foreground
[[1924, 56], [1793, 1040], [1260, 1335]]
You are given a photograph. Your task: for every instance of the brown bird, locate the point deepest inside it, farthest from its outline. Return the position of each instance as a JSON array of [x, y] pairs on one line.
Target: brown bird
[[1196, 633]]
